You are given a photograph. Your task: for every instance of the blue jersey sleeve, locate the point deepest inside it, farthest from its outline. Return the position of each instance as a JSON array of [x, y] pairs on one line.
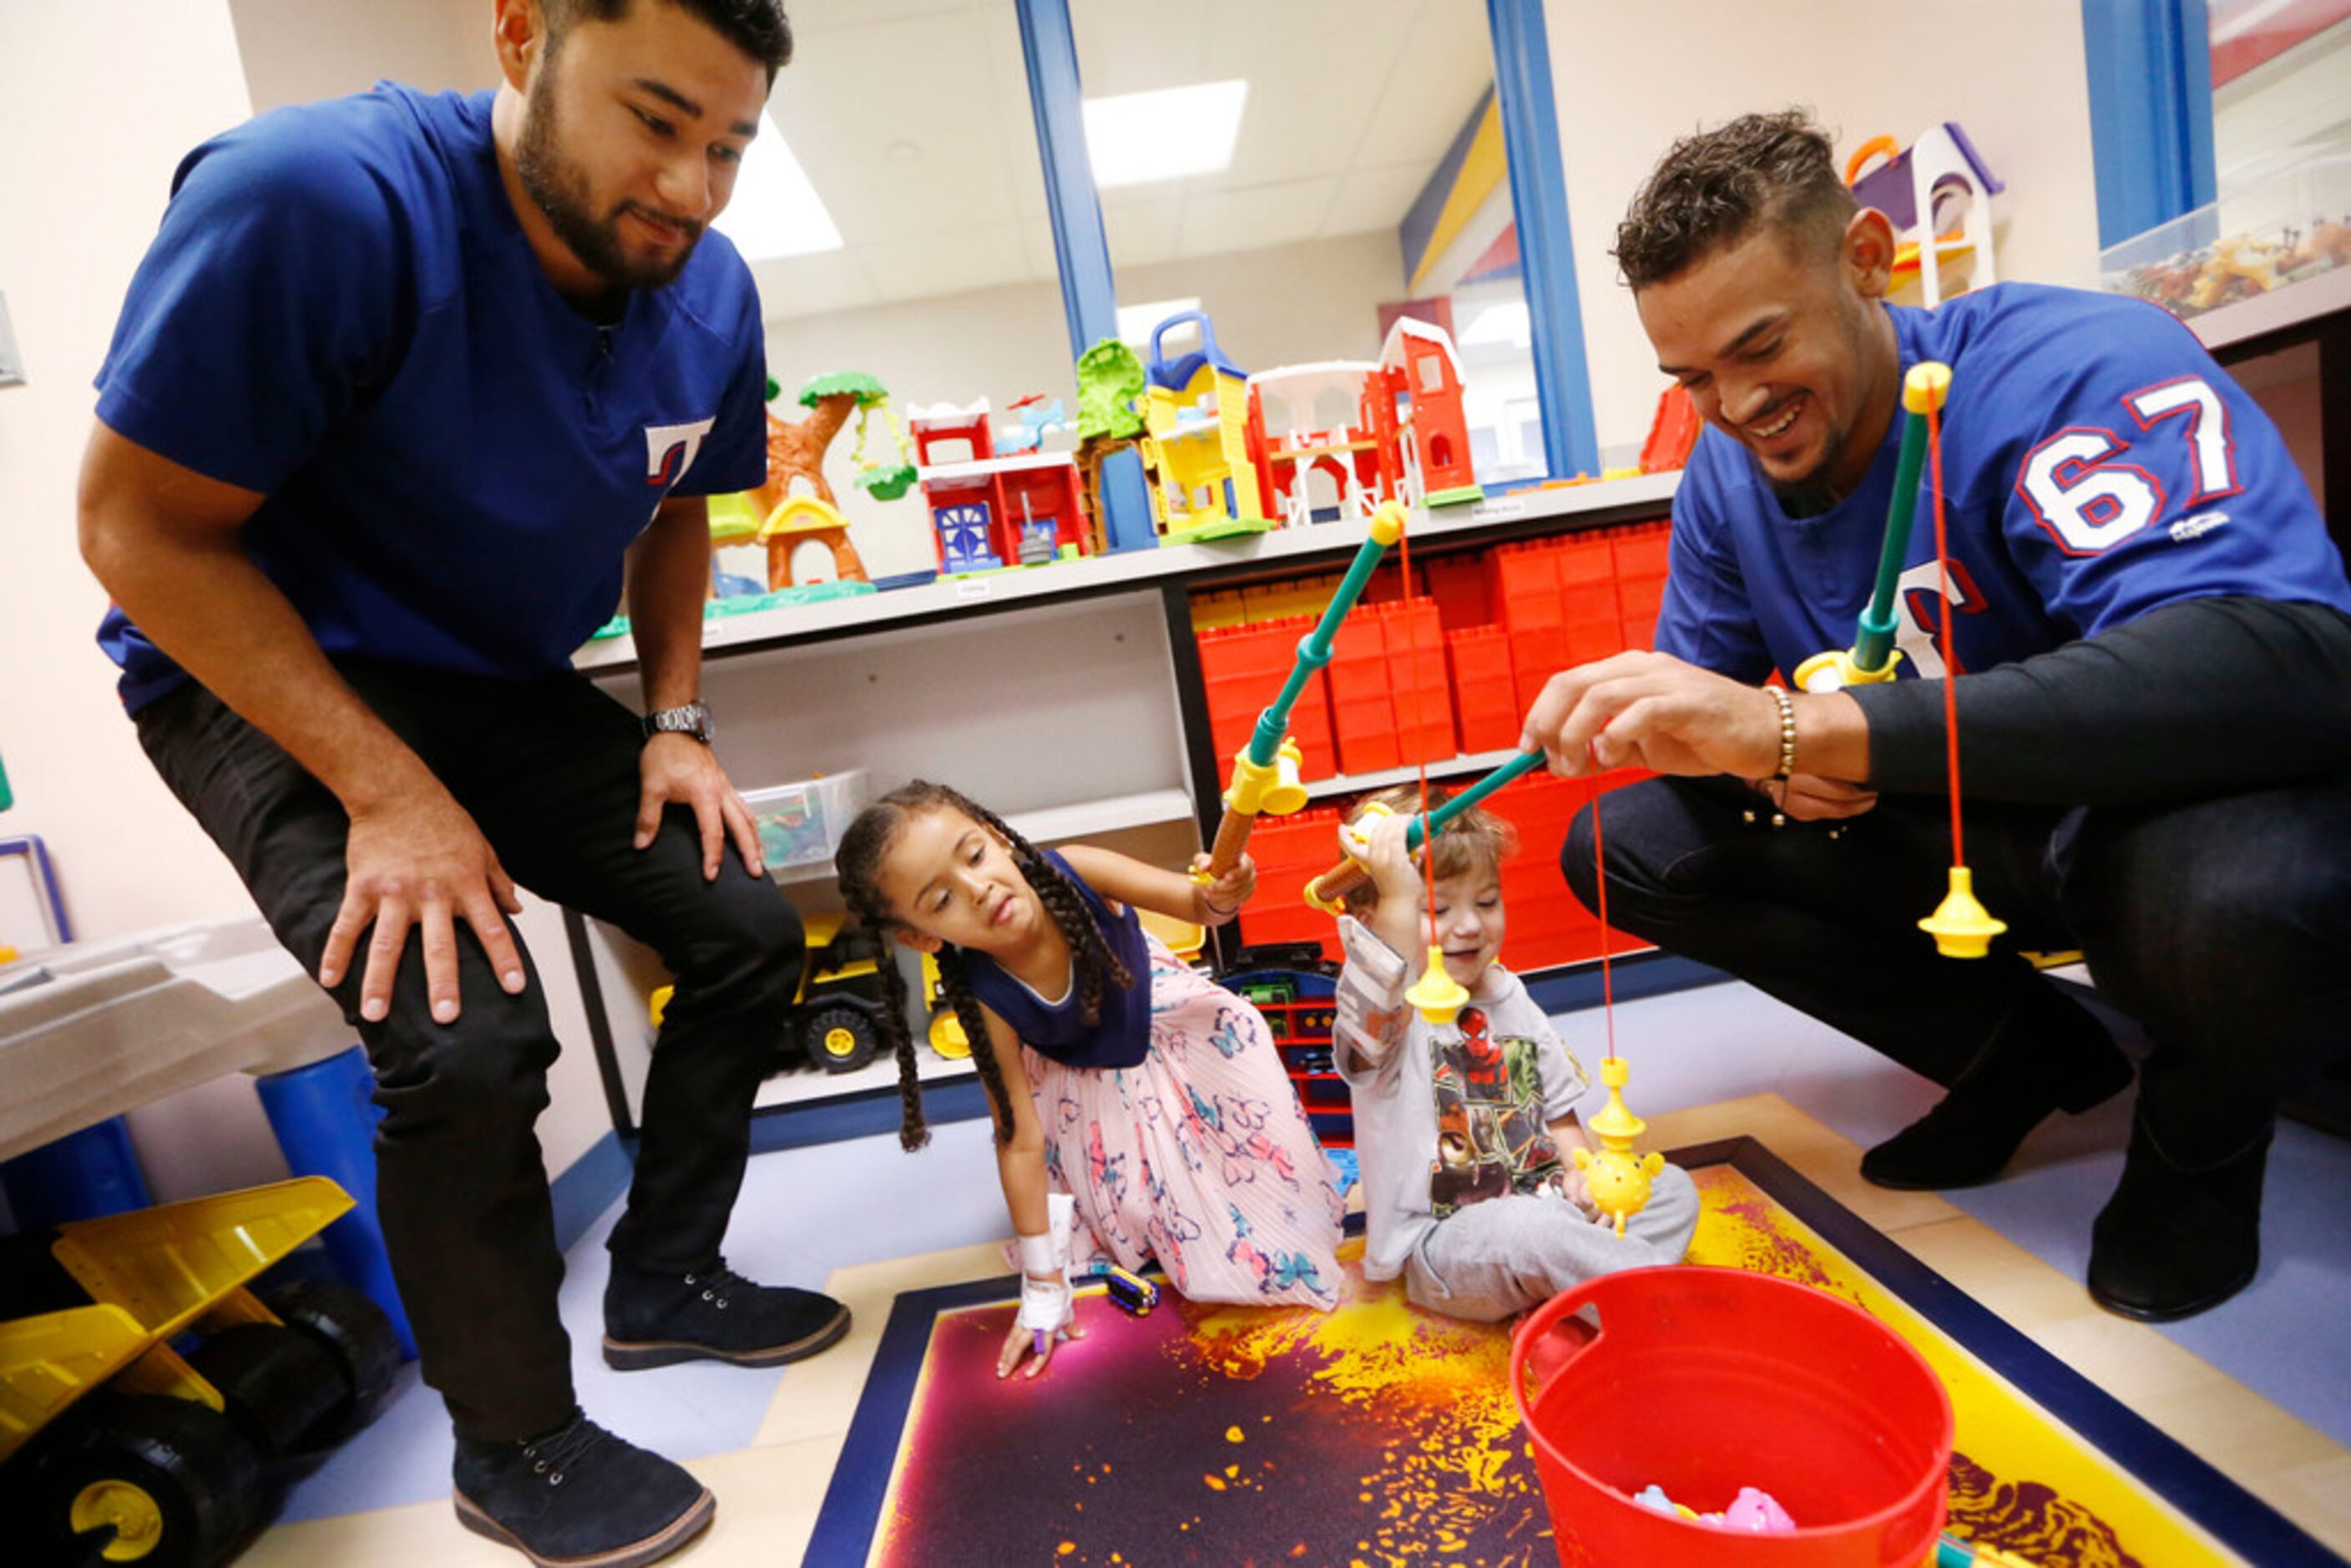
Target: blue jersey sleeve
[[736, 453], [2131, 472], [273, 300], [1706, 619]]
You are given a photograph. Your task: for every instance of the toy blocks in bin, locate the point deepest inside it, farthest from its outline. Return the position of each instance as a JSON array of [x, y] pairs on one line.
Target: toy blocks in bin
[[1242, 669], [1419, 688], [801, 824], [1485, 712]]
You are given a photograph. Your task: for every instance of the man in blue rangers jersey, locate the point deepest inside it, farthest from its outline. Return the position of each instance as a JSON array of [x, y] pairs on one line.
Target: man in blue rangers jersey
[[405, 391], [2154, 694]]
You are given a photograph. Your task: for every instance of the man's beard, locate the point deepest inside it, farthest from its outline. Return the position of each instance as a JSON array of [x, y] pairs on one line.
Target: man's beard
[[561, 190], [1809, 495]]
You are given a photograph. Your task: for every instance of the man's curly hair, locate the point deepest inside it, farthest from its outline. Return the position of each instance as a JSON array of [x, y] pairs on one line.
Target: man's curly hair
[[1712, 189]]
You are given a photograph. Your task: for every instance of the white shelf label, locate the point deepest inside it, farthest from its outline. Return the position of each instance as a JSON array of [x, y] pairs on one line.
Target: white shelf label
[[974, 588], [1500, 507]]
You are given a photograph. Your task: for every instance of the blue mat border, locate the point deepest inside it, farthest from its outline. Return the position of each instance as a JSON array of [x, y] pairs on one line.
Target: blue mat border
[[852, 1512]]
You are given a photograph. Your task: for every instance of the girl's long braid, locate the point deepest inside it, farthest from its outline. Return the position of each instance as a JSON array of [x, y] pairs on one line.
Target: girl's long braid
[[1090, 960], [957, 991], [865, 902]]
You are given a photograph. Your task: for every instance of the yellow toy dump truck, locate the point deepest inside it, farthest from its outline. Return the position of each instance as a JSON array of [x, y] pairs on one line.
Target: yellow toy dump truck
[[832, 1024], [144, 1390]]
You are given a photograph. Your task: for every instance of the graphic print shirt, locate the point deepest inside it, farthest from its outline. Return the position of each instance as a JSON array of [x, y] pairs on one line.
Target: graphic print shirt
[[1445, 1115]]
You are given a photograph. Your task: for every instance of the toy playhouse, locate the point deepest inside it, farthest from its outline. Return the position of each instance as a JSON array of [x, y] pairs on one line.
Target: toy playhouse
[[989, 512]]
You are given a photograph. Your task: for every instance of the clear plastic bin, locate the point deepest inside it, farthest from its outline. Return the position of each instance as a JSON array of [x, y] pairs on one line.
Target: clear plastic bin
[[801, 824], [2268, 233]]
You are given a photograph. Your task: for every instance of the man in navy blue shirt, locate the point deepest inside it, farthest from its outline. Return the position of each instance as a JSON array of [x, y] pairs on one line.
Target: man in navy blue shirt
[[406, 392], [2152, 641]]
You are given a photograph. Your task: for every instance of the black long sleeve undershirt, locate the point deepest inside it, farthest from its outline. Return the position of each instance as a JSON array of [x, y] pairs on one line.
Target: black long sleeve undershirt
[[2206, 698]]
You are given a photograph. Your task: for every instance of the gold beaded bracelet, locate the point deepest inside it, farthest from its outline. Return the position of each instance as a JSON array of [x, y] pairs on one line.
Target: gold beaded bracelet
[[1787, 730]]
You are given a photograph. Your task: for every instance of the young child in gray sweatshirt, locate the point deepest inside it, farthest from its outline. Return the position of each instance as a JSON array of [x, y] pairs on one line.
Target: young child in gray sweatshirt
[[1463, 1129]]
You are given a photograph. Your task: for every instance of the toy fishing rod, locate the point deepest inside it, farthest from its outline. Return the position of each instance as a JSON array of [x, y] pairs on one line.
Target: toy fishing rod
[[1265, 771], [1871, 659], [1961, 925], [1325, 891]]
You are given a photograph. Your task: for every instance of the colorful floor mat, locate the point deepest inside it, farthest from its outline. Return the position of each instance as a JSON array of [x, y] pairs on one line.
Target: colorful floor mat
[[1379, 1434]]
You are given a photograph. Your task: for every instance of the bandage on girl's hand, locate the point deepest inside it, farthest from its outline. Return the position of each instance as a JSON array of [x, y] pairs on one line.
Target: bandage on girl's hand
[[1047, 1313]]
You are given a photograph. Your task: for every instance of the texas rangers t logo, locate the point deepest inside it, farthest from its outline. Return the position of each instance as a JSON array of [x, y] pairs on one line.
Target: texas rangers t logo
[[670, 450]]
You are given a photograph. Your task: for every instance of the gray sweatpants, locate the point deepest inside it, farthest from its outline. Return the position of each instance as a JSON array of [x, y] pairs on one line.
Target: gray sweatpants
[[1502, 1257]]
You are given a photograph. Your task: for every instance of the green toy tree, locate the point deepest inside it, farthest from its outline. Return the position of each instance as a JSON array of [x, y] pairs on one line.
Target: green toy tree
[[1110, 385], [882, 481], [1110, 378]]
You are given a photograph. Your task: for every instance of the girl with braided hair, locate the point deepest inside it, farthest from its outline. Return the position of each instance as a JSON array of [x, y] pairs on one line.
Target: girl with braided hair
[[1117, 1076]]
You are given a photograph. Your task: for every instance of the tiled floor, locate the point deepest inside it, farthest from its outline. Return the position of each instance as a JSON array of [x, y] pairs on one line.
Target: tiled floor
[[2261, 1388]]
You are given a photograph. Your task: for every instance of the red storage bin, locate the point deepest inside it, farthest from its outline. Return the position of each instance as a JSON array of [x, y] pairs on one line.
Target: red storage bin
[[1526, 583], [1419, 688], [1463, 588], [1641, 551], [1309, 716], [1485, 712], [1242, 669], [1290, 852], [1587, 573], [1363, 713], [1641, 554]]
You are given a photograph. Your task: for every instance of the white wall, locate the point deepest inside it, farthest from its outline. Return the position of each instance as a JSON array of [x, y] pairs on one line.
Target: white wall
[[296, 51], [2011, 73], [96, 171], [1285, 304]]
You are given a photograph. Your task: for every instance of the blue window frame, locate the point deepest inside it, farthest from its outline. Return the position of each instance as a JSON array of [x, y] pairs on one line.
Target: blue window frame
[[2151, 65], [1538, 195]]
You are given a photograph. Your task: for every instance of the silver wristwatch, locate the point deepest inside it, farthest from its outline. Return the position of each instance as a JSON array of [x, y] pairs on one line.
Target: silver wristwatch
[[692, 719]]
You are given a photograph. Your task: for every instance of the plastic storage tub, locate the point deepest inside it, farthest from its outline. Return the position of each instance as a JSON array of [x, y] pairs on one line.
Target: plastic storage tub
[[2268, 233], [801, 823]]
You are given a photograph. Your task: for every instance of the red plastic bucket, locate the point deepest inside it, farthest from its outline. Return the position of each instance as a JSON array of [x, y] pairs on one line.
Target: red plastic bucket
[[1704, 1380]]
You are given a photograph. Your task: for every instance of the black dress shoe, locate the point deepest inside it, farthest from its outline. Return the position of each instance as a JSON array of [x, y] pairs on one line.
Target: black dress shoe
[[1964, 1141], [2171, 1243], [657, 1318], [2067, 1062], [578, 1498]]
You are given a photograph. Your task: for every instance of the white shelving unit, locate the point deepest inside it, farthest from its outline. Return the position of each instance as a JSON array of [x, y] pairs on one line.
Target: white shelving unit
[[867, 613], [811, 1086], [1052, 694], [1055, 824], [2327, 294]]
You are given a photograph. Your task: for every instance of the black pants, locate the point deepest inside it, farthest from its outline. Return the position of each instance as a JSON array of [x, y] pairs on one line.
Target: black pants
[[2223, 926], [549, 770]]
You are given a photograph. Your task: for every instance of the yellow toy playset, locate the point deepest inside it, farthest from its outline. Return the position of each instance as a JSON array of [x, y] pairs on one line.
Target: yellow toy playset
[[1195, 440]]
